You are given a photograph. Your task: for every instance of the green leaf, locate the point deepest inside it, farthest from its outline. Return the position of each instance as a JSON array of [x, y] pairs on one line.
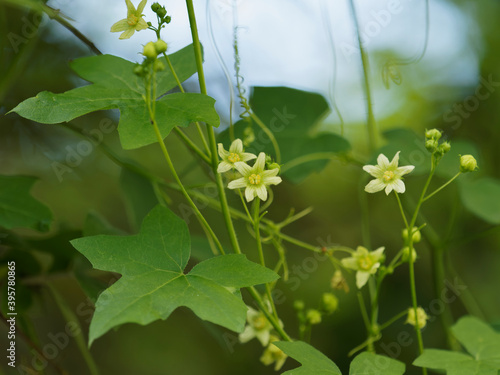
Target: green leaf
[[292, 115], [374, 364], [482, 198], [312, 360], [116, 86], [18, 209], [480, 340], [153, 282]]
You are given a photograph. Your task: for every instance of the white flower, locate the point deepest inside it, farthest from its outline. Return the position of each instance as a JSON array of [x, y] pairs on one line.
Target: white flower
[[387, 175], [255, 179], [134, 21], [258, 327], [365, 262], [235, 154]]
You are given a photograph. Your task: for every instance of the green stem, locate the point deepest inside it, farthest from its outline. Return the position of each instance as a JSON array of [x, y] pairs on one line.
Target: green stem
[[442, 187], [192, 146], [210, 131], [256, 228], [393, 319], [366, 320], [370, 119], [69, 316], [402, 212], [269, 133]]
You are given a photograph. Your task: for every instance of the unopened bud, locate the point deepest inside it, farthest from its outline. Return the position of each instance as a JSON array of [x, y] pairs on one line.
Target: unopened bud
[[330, 302], [444, 148], [299, 305], [467, 163], [419, 320], [431, 145], [416, 237], [406, 254], [160, 46], [158, 66], [155, 7], [313, 316], [150, 51], [433, 134]]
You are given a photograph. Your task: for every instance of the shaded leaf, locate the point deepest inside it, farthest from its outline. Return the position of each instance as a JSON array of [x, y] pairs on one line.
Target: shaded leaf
[[482, 198], [480, 340], [153, 282], [312, 360], [18, 209], [373, 364]]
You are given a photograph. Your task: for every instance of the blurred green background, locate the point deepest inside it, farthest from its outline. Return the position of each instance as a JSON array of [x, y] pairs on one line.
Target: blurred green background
[[184, 344]]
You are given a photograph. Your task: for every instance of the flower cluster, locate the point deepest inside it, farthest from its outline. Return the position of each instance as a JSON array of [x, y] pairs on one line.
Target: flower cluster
[[254, 179]]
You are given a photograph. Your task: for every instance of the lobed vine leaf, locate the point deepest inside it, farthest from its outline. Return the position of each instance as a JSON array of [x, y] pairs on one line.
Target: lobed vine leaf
[[482, 198], [153, 282], [116, 86], [480, 340], [373, 364], [312, 360], [292, 115], [18, 209]]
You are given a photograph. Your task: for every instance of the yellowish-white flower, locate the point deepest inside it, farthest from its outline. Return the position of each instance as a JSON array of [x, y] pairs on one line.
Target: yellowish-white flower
[[421, 316], [255, 179], [234, 155], [258, 327], [365, 263], [387, 175], [134, 21], [273, 354]]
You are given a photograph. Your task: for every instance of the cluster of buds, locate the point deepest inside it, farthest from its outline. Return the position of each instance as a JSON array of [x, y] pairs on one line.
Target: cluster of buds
[[161, 12], [151, 51], [432, 143]]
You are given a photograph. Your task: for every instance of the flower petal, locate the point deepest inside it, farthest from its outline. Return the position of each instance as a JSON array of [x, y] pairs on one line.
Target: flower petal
[[222, 153], [243, 168], [377, 254], [141, 6], [261, 192], [389, 188], [224, 166], [271, 180], [141, 24], [121, 25], [250, 193], [263, 336], [382, 161], [130, 7], [398, 186], [395, 160], [247, 334], [404, 170], [236, 147], [246, 156], [128, 33], [237, 184], [374, 186], [270, 173], [351, 263], [260, 163], [374, 170], [361, 278]]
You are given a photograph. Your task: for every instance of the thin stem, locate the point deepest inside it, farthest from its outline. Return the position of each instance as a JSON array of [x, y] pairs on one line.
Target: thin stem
[[211, 135], [366, 320], [393, 319], [269, 133], [192, 146], [442, 187], [370, 118], [256, 228], [402, 212]]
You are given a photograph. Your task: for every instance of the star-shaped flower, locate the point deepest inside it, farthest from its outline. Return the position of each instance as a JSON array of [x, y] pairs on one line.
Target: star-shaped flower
[[365, 262], [255, 179], [235, 154], [387, 175], [258, 327], [134, 21]]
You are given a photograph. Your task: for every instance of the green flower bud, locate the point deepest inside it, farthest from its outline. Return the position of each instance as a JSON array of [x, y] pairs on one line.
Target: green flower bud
[[433, 134], [150, 51], [274, 166], [150, 24], [431, 145], [168, 19], [160, 46], [406, 254], [444, 148], [155, 7], [139, 70], [299, 305], [416, 235], [162, 12], [467, 163], [330, 302], [419, 319], [313, 316], [158, 66]]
